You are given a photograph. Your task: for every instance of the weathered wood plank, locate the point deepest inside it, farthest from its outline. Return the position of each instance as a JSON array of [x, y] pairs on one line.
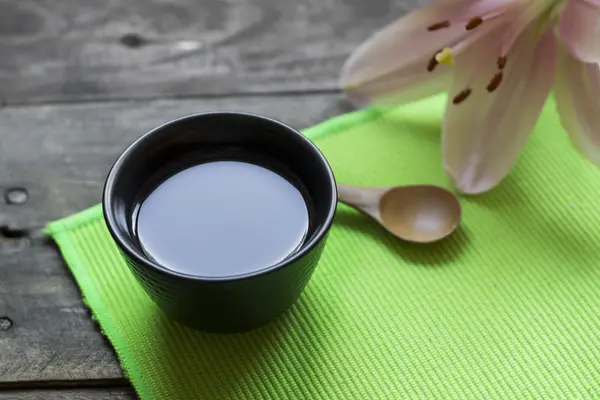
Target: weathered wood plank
[[69, 394], [61, 155], [52, 335], [69, 50]]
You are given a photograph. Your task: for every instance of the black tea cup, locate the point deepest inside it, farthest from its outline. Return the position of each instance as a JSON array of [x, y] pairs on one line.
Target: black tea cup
[[224, 304]]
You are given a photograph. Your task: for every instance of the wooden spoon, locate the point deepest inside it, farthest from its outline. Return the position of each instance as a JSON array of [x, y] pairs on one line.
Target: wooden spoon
[[417, 213]]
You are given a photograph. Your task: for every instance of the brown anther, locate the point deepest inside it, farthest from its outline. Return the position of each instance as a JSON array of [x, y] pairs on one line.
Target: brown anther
[[439, 25], [432, 64], [495, 82], [462, 96], [501, 62], [473, 23]]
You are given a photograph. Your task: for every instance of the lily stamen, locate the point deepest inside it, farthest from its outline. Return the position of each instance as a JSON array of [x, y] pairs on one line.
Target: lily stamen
[[473, 23], [462, 96], [432, 64], [439, 25], [495, 82], [501, 62]]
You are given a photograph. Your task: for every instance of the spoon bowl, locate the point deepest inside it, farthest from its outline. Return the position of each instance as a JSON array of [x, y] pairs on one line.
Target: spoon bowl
[[416, 213]]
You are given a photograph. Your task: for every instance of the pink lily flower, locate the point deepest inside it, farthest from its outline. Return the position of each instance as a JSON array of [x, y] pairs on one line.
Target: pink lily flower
[[498, 60]]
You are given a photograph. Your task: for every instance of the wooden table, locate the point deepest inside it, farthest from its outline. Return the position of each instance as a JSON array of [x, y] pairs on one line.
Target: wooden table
[[79, 81]]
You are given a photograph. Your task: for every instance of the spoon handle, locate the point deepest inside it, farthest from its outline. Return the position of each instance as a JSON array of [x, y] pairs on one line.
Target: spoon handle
[[362, 198]]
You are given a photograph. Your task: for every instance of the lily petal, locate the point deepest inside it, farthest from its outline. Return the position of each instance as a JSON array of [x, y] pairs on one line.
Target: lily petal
[[391, 66], [576, 94], [412, 83], [483, 136], [579, 29]]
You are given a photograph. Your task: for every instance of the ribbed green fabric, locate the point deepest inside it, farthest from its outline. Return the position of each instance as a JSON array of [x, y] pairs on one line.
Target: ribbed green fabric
[[508, 308]]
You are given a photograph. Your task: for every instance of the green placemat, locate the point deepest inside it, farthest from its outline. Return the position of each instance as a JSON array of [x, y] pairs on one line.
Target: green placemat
[[509, 307]]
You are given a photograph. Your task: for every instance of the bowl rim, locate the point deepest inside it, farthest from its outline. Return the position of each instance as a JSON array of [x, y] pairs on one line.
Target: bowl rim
[[125, 244]]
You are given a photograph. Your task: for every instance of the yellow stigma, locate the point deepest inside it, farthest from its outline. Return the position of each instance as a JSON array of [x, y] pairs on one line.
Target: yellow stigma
[[445, 57]]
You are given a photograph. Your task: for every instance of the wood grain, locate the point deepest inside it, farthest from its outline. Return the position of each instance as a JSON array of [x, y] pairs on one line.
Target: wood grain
[[52, 335], [72, 50], [69, 394], [61, 154]]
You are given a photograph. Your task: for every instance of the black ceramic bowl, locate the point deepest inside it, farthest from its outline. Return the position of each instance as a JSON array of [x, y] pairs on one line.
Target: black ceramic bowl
[[214, 304]]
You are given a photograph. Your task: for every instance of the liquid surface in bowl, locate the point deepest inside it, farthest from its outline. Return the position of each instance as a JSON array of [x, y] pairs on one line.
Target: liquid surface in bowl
[[222, 218]]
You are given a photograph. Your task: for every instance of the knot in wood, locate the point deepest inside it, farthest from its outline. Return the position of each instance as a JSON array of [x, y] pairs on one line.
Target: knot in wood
[[5, 323]]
